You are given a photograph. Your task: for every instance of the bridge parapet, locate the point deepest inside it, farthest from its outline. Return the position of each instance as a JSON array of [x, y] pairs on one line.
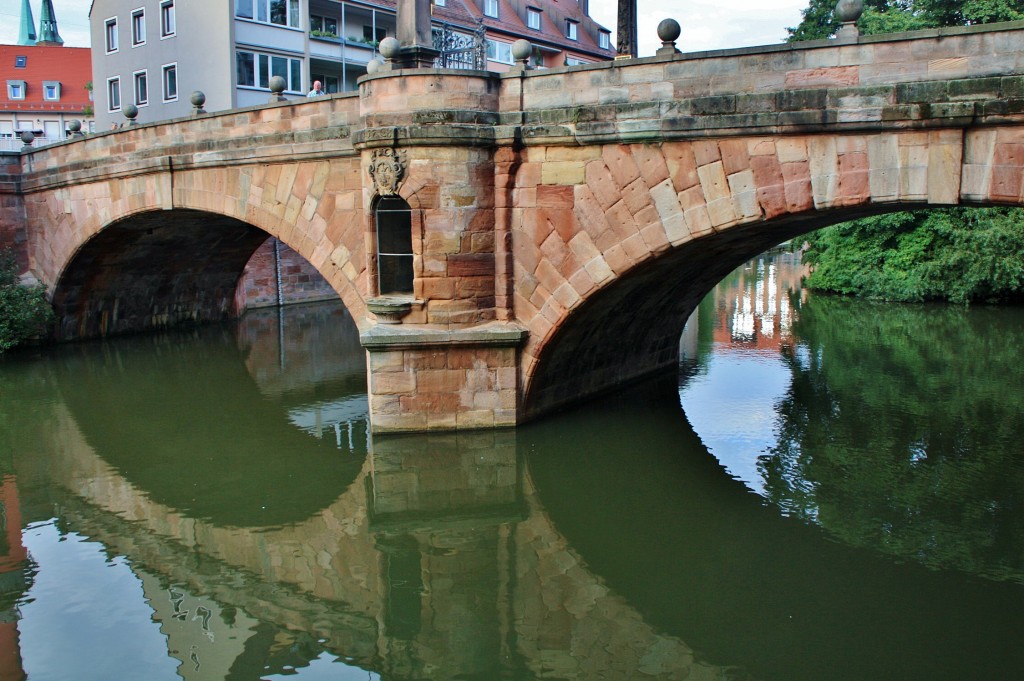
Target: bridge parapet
[[303, 129], [933, 78]]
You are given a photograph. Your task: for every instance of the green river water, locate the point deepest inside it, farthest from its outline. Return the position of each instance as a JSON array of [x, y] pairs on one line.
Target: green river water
[[829, 490]]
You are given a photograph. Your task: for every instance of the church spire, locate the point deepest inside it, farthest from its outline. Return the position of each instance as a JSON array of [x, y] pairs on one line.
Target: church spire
[[48, 34], [27, 34]]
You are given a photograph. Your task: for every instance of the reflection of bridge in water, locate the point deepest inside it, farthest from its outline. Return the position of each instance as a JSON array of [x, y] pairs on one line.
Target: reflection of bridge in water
[[433, 563], [425, 559], [629, 554]]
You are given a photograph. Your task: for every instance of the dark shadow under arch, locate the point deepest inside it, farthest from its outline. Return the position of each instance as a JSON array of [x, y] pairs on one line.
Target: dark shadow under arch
[[630, 329], [153, 270]]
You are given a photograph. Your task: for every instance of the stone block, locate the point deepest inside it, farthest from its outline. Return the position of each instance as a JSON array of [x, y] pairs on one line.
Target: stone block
[[923, 92], [470, 264], [620, 163], [713, 105]]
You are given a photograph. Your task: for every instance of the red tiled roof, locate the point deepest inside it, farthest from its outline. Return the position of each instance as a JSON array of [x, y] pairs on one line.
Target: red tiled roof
[[554, 14], [70, 66]]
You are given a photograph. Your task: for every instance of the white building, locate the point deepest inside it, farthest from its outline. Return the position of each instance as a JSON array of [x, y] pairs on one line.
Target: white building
[[155, 53]]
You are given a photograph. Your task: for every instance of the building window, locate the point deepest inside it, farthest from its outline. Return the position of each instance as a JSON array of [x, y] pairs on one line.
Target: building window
[[255, 70], [394, 246], [141, 88], [499, 51], [167, 26], [280, 12], [110, 34], [491, 8], [575, 61], [51, 90], [370, 34], [323, 26], [331, 84], [20, 61], [113, 94], [170, 82], [138, 27], [570, 29], [533, 18], [441, 3], [604, 40], [16, 89]]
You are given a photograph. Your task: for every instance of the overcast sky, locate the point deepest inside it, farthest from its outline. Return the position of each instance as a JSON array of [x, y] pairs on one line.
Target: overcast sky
[[706, 24]]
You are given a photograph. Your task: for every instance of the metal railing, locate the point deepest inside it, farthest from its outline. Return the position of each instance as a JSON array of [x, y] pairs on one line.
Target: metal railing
[[15, 143], [460, 50]]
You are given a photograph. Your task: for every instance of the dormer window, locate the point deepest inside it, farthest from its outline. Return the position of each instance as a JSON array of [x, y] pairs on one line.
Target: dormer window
[[533, 18], [604, 40], [571, 28], [51, 90], [16, 89], [491, 8], [20, 61]]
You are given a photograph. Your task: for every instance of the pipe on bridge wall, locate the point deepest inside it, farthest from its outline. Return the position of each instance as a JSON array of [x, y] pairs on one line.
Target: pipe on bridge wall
[[565, 221]]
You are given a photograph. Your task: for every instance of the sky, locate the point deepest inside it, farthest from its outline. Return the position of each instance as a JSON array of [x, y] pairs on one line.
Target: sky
[[706, 24]]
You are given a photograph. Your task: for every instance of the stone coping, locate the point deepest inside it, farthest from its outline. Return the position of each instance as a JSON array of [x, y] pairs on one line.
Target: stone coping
[[874, 39], [397, 337]]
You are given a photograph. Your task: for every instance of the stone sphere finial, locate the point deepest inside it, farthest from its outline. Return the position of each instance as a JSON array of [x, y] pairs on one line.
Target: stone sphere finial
[[131, 112], [668, 32], [849, 11], [198, 98], [389, 47], [27, 137], [522, 50], [277, 86], [75, 127], [374, 65]]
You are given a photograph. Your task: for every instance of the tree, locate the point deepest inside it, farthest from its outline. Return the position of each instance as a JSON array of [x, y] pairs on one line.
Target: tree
[[819, 20], [893, 16], [961, 255], [24, 310]]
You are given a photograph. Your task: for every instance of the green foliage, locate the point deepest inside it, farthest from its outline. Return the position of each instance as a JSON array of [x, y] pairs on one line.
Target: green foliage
[[900, 431], [819, 20], [894, 16], [959, 255], [24, 310], [960, 12]]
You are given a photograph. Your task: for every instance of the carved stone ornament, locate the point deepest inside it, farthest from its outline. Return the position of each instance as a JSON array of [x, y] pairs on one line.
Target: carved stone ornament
[[386, 169]]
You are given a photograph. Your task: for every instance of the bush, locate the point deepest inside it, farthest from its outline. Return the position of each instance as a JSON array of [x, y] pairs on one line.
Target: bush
[[24, 310]]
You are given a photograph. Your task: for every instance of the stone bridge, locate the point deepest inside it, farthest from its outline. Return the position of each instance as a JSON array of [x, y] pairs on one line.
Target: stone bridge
[[510, 243]]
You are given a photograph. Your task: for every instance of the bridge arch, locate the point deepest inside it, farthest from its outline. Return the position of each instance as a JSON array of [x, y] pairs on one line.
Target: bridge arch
[[609, 269], [162, 249]]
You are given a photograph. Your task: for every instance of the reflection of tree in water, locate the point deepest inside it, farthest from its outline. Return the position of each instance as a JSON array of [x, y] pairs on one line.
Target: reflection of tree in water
[[901, 431]]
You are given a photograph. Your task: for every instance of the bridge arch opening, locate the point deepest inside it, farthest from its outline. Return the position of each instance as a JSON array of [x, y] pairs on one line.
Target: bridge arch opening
[[160, 269], [630, 329]]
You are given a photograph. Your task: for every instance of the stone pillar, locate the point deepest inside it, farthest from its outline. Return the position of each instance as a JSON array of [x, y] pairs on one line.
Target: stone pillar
[[438, 358], [414, 35], [13, 222], [626, 35]]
